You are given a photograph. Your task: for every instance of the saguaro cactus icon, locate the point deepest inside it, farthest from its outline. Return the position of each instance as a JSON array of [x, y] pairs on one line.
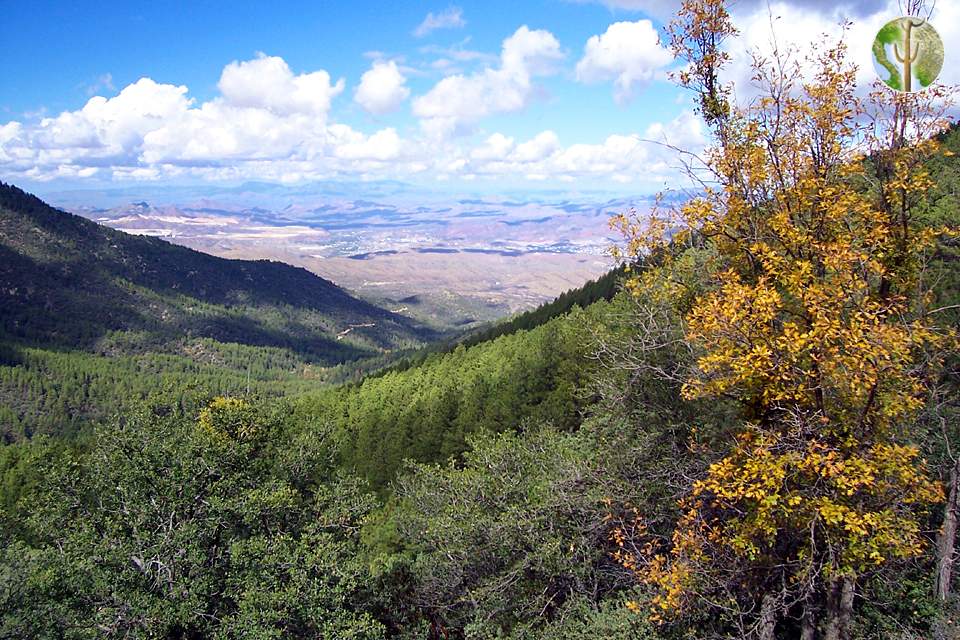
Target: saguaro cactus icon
[[909, 54]]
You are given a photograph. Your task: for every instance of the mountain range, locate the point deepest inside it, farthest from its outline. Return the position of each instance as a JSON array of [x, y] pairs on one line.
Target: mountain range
[[450, 260], [67, 280]]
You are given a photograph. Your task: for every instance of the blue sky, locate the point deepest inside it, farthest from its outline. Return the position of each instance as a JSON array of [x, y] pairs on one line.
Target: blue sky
[[52, 52], [493, 93]]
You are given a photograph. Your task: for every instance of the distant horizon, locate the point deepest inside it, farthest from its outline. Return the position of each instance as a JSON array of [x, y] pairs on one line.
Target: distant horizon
[[111, 195]]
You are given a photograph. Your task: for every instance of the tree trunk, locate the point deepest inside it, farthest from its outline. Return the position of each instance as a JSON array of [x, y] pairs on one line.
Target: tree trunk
[[847, 592], [768, 618], [840, 608], [808, 629], [831, 628], [947, 537]]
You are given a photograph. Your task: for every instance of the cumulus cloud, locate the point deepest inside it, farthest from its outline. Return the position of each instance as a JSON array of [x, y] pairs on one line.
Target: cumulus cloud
[[219, 131], [153, 131], [496, 147], [266, 121], [542, 146], [632, 157], [9, 133], [629, 53], [449, 18], [268, 83], [686, 131], [382, 88], [797, 25], [459, 101], [265, 111], [109, 129], [383, 145], [644, 159]]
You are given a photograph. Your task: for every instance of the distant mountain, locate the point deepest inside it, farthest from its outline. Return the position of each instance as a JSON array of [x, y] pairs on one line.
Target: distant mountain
[[68, 281], [466, 260]]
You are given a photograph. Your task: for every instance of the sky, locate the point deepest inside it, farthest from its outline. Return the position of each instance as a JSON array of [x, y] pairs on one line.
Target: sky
[[494, 94]]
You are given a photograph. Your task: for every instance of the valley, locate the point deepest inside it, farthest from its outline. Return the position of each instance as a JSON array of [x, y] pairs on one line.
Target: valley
[[452, 262]]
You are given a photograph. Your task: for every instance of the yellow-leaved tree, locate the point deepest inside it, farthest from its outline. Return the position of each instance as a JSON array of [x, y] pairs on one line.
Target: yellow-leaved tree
[[815, 323]]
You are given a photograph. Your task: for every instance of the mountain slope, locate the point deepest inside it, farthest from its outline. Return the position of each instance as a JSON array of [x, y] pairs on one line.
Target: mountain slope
[[70, 282], [425, 408], [603, 288]]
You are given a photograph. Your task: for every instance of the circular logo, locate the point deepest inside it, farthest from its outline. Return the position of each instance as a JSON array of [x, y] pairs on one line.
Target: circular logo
[[908, 54]]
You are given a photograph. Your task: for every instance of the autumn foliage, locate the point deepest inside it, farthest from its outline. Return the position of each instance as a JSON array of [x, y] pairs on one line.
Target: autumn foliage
[[815, 322]]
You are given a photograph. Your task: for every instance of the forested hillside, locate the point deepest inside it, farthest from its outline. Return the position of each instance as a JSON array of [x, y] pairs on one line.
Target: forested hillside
[[93, 320], [603, 288], [427, 412], [145, 317], [68, 281]]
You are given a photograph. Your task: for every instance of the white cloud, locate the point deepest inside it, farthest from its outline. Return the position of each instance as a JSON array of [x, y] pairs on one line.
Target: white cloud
[[686, 131], [459, 52], [621, 158], [542, 146], [268, 83], [219, 131], [460, 101], [265, 111], [616, 154], [382, 88], [629, 53], [534, 52], [496, 147], [798, 25], [383, 145], [220, 141], [449, 18], [453, 59], [153, 131], [9, 135], [111, 128], [10, 131], [267, 122]]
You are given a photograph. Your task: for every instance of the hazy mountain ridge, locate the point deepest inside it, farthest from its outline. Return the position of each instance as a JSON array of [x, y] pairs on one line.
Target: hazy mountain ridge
[[332, 227], [68, 280], [467, 259]]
